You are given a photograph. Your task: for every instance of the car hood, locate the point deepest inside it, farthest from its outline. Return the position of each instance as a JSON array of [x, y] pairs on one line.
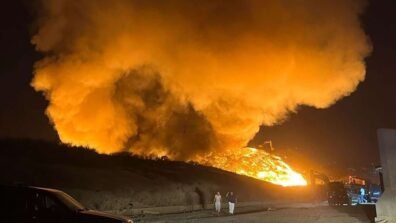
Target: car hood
[[100, 214]]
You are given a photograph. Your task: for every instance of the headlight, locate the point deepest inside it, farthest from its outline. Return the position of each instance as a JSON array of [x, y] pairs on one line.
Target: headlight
[[129, 221]]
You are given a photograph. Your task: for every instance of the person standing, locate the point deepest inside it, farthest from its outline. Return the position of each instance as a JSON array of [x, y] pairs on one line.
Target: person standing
[[361, 196], [231, 202], [217, 202]]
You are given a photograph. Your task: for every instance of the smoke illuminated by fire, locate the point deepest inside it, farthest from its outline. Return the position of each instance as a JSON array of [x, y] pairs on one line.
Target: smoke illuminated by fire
[[188, 78], [255, 163]]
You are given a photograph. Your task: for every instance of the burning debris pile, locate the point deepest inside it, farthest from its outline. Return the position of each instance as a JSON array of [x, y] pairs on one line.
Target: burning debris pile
[[255, 163], [190, 78]]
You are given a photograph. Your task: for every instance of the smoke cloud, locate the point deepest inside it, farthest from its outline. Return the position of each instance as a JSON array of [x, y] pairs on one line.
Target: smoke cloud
[[183, 78]]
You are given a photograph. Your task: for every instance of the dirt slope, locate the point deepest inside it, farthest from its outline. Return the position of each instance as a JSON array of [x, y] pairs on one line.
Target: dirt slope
[[121, 181]]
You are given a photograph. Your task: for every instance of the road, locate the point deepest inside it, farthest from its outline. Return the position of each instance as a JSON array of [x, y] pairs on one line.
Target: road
[[319, 214]]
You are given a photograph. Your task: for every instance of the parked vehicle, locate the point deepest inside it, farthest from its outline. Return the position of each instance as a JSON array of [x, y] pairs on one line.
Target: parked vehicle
[[353, 193], [26, 204], [337, 194], [374, 193]]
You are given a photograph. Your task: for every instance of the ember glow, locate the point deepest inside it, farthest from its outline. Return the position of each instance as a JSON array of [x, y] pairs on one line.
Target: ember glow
[[257, 164]]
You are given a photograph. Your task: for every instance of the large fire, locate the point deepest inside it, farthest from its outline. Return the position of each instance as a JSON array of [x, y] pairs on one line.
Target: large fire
[[186, 78], [256, 163]]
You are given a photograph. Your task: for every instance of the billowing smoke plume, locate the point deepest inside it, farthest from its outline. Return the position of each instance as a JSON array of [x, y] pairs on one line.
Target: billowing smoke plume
[[186, 77]]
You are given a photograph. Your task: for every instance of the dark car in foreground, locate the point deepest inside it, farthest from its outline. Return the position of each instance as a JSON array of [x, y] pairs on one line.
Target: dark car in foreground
[[26, 204]]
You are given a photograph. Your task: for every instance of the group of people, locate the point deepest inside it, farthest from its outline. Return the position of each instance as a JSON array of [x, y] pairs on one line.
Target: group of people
[[231, 202]]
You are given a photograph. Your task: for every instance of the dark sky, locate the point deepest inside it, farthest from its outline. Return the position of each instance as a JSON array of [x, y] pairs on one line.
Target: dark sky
[[343, 135]]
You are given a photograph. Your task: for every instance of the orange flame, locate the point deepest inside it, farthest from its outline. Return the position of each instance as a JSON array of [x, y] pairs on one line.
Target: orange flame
[[257, 164]]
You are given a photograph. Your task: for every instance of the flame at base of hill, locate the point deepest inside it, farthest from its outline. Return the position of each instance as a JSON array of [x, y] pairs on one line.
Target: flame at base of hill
[[257, 164]]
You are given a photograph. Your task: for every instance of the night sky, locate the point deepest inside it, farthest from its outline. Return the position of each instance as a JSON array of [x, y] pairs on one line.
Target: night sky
[[343, 135]]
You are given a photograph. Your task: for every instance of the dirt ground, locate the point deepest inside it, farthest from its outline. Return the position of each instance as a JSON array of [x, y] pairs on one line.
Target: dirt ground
[[319, 214]]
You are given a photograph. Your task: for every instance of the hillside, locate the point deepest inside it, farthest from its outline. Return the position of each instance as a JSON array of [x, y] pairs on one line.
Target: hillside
[[122, 181]]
